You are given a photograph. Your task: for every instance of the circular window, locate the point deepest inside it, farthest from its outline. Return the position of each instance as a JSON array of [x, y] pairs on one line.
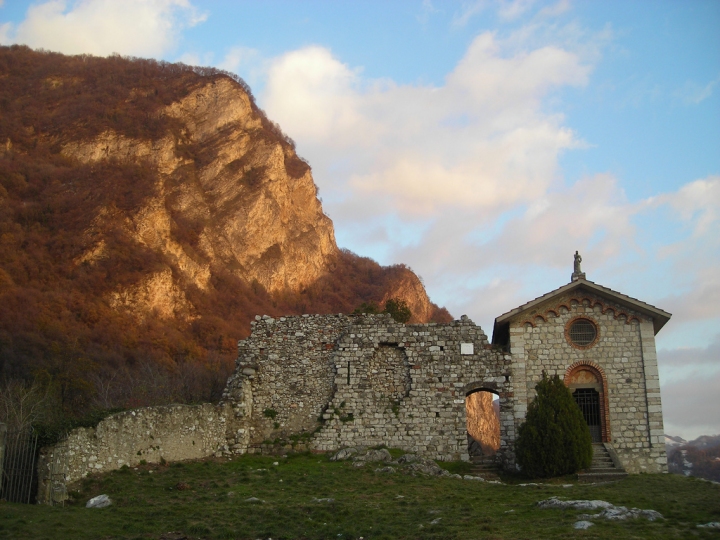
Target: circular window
[[582, 332]]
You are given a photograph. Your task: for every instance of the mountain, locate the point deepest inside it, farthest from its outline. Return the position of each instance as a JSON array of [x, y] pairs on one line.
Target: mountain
[[699, 457], [148, 211]]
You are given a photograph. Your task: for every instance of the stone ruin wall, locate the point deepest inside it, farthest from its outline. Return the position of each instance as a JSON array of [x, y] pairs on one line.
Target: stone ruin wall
[[152, 434], [624, 351], [283, 379], [340, 381]]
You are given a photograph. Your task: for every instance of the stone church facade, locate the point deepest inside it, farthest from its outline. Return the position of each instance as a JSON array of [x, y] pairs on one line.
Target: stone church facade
[[602, 344]]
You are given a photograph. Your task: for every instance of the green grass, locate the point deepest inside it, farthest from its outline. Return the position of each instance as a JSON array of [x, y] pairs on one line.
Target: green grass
[[147, 504]]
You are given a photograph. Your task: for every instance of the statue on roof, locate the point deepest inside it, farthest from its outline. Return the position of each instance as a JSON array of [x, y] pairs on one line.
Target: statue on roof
[[577, 272]]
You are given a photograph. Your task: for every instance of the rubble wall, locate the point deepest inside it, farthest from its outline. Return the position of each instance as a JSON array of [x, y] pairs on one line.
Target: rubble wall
[[152, 434], [367, 380]]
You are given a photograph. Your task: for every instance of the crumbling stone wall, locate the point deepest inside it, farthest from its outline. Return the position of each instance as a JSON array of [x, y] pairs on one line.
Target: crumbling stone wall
[[172, 433], [624, 352], [284, 378], [366, 380]]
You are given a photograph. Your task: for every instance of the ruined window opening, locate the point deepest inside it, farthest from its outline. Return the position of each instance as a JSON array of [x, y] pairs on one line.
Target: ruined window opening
[[348, 373], [482, 410]]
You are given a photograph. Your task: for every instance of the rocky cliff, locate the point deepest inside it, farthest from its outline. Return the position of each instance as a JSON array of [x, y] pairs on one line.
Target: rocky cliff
[[234, 190], [149, 210]]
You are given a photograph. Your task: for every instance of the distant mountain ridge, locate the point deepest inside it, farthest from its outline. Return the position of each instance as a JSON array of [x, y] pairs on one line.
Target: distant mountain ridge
[[148, 211], [699, 457]]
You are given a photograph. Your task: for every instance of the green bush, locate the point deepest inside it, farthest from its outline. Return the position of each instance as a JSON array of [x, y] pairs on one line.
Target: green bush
[[398, 309], [555, 439]]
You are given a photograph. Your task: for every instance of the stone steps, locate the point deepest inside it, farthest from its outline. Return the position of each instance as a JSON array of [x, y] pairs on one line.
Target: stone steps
[[485, 467], [603, 468]]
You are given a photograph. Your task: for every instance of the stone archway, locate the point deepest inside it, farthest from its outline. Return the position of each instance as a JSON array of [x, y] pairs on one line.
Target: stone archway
[[482, 414], [588, 384]]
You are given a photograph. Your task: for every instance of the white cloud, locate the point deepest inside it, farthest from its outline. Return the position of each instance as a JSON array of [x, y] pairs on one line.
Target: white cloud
[[691, 253], [697, 203], [461, 180], [427, 9], [5, 31], [688, 405], [479, 140], [512, 9], [103, 27], [693, 93], [554, 10], [468, 10], [238, 58]]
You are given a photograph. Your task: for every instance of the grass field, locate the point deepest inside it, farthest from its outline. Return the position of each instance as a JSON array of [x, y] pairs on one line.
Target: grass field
[[308, 496]]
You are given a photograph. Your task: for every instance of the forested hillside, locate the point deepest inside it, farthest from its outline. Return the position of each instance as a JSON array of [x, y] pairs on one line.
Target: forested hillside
[[148, 211]]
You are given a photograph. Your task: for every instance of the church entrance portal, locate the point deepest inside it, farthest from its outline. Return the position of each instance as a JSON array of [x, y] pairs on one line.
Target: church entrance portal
[[587, 384], [588, 399]]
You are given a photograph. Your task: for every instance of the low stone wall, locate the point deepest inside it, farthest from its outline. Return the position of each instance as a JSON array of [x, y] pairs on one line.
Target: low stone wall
[[171, 433]]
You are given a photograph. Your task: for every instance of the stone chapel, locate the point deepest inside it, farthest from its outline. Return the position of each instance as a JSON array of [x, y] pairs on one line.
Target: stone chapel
[[602, 344]]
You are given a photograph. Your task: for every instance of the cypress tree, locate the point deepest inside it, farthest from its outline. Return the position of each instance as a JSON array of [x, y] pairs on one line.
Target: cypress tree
[[555, 439]]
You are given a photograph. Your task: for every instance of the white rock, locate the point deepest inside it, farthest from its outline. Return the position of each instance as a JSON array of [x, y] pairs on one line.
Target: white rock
[[476, 478], [342, 455], [582, 525], [101, 501]]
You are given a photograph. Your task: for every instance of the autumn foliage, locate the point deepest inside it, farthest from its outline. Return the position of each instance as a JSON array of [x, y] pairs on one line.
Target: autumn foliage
[[57, 327]]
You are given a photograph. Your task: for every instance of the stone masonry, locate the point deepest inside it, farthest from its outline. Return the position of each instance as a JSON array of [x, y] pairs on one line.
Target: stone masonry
[[622, 354], [326, 382], [366, 380], [152, 434]]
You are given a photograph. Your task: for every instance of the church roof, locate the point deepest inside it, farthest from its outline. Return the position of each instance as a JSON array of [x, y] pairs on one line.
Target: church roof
[[658, 316]]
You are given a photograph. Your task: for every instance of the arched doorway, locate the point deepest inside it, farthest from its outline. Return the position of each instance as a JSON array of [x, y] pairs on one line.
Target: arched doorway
[[482, 412], [588, 387]]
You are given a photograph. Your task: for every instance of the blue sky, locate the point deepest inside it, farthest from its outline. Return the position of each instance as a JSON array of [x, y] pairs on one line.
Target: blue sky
[[481, 142]]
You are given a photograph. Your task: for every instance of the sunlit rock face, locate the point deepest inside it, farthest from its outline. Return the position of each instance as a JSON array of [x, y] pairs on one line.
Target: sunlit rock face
[[482, 421], [251, 202]]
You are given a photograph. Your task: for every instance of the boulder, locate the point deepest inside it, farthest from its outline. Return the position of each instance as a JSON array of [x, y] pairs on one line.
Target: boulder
[[372, 456], [101, 501], [344, 454]]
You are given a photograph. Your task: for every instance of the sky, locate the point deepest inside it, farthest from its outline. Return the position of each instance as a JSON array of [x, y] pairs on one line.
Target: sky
[[481, 142]]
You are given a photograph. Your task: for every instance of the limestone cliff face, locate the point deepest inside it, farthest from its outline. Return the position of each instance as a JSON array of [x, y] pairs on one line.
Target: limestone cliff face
[[408, 287], [483, 424], [222, 176]]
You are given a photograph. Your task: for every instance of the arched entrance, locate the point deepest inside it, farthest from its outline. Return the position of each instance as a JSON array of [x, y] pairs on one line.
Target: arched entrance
[[588, 386], [482, 412]]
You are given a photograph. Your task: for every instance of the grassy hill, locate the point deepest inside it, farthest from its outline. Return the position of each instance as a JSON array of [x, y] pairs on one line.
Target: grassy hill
[[308, 496]]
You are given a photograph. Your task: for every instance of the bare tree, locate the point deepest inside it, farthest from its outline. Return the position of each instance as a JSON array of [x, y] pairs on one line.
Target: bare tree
[[22, 405]]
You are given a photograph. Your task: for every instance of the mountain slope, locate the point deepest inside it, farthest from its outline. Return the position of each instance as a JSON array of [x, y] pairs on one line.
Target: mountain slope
[[148, 211]]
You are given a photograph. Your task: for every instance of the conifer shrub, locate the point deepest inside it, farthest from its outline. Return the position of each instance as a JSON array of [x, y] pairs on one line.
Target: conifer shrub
[[555, 439], [398, 310]]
